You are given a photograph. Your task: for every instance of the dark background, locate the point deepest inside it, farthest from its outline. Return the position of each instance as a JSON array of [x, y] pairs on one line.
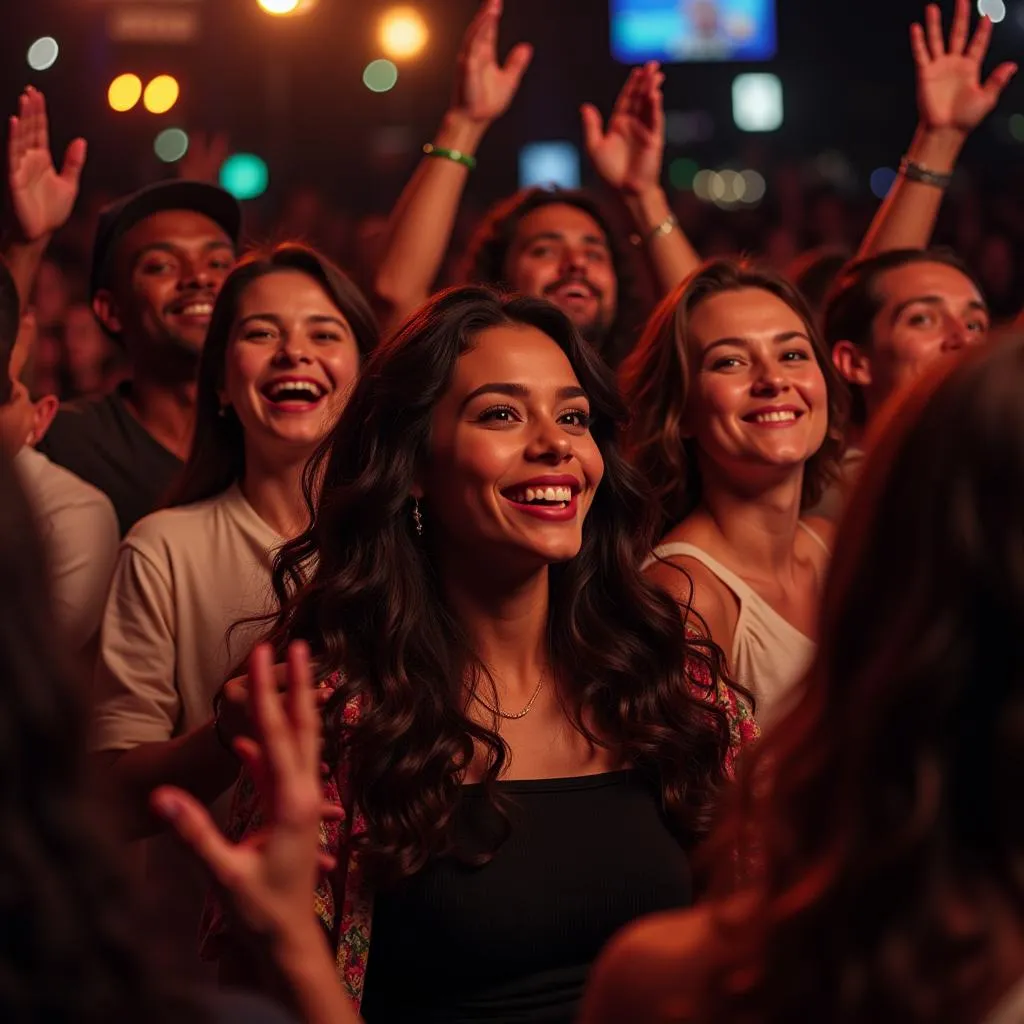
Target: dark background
[[290, 89]]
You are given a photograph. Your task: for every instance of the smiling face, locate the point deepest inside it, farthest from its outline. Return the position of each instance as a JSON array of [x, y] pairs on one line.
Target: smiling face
[[560, 253], [758, 401], [512, 467], [290, 364], [168, 270]]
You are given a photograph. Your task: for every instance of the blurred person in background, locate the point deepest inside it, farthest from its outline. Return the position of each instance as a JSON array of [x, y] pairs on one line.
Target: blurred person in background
[[75, 521], [880, 823]]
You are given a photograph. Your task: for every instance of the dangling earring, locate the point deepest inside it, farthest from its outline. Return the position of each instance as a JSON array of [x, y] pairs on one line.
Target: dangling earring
[[417, 517]]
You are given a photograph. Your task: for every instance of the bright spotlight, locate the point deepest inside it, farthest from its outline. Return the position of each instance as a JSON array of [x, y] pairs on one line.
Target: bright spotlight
[[124, 92], [42, 54], [757, 102], [403, 33], [161, 94], [279, 6]]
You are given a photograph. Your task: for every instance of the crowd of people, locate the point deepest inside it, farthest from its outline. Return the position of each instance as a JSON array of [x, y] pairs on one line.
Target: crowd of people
[[625, 633]]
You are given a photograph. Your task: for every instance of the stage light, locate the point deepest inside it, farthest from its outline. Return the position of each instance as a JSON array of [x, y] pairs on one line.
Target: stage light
[[545, 164], [171, 145], [882, 179], [403, 33], [43, 53], [757, 102], [995, 9], [681, 173], [279, 7], [124, 92], [380, 76], [755, 187], [245, 176], [161, 94], [702, 184]]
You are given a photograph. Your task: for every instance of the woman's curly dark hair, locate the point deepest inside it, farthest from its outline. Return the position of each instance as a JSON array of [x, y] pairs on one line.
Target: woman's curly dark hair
[[69, 949], [893, 787], [655, 382], [372, 610]]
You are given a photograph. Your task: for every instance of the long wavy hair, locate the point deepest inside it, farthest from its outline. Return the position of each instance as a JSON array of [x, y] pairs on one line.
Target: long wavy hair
[[894, 784], [487, 257], [655, 382], [216, 459], [69, 952], [372, 609]]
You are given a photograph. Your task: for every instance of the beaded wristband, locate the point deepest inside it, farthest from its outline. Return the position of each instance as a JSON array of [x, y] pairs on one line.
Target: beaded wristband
[[455, 155], [915, 172]]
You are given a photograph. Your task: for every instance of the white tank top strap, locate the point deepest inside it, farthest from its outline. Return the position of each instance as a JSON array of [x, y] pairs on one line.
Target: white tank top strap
[[816, 537], [769, 654], [743, 591]]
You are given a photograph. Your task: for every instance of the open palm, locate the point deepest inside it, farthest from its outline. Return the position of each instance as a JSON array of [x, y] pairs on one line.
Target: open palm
[[41, 197], [484, 89], [628, 154], [950, 91]]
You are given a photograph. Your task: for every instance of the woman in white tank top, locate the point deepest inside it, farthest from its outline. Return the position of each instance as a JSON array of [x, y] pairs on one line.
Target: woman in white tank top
[[738, 416]]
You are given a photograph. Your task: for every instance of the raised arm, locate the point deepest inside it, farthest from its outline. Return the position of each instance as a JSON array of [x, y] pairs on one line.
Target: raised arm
[[41, 199], [628, 156], [270, 878], [421, 224], [952, 101]]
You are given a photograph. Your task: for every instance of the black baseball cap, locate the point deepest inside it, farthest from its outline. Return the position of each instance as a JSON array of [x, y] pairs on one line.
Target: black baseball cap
[[123, 214]]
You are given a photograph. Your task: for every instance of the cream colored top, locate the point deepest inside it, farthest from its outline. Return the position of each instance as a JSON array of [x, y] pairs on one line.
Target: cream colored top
[[769, 655], [80, 533], [184, 576]]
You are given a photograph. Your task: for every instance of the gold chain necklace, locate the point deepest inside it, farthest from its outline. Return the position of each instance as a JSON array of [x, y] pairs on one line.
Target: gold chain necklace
[[518, 714]]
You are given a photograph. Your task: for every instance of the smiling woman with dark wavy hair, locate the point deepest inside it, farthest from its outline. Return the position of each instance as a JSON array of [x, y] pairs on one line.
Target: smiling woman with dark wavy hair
[[527, 744]]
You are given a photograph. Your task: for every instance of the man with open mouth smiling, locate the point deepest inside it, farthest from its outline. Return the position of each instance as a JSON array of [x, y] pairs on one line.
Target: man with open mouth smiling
[[159, 259]]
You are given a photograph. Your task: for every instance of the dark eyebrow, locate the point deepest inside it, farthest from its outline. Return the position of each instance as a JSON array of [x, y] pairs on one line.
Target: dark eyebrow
[[519, 391], [316, 318], [779, 339], [557, 236], [934, 300], [173, 250]]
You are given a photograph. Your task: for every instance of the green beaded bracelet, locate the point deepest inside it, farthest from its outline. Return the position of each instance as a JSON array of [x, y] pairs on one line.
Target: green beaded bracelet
[[455, 155]]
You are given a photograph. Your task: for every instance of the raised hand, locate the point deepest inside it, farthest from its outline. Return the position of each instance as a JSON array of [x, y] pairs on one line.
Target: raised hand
[[271, 877], [950, 92], [628, 154], [484, 89], [42, 198], [205, 157]]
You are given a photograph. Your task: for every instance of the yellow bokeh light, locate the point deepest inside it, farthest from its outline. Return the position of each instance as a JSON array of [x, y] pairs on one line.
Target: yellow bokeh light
[[403, 33], [124, 92], [279, 6], [161, 94]]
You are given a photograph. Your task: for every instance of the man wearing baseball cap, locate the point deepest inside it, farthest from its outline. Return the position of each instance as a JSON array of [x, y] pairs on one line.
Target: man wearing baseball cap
[[159, 259]]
